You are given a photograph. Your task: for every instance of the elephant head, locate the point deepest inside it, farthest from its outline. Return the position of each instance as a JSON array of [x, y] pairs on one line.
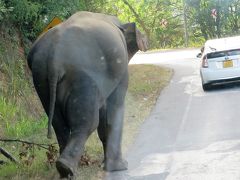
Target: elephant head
[[134, 38]]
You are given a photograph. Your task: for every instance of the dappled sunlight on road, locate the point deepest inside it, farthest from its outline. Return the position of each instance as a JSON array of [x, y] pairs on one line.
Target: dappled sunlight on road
[[209, 163]]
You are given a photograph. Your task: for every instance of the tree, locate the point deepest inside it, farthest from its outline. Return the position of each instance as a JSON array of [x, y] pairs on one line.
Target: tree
[[161, 20], [226, 22], [149, 16]]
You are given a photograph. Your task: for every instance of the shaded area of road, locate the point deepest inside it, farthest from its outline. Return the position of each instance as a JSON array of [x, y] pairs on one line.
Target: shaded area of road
[[190, 134]]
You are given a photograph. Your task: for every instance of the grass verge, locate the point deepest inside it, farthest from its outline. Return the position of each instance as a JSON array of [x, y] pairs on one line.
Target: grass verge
[[145, 85]]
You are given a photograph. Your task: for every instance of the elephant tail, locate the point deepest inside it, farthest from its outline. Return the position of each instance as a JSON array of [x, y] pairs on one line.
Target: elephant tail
[[52, 100]]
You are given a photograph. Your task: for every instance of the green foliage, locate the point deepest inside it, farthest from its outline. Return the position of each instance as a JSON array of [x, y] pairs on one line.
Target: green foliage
[[24, 16], [30, 16], [16, 123], [227, 22], [19, 106], [161, 20], [3, 9], [24, 11], [149, 16], [7, 170]]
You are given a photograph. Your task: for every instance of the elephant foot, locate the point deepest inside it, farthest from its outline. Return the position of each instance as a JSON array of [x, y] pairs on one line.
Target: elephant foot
[[115, 165], [65, 169]]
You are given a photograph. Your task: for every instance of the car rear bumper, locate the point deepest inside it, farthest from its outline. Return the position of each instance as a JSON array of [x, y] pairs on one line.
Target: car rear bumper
[[219, 75]]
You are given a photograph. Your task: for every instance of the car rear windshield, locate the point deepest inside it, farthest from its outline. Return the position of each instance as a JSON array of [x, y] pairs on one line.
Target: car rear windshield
[[223, 53]]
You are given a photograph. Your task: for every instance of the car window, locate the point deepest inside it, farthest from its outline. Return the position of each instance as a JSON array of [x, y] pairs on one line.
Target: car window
[[234, 52], [223, 53], [216, 55]]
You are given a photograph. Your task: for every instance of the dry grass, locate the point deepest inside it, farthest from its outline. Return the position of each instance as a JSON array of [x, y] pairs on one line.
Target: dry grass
[[145, 85]]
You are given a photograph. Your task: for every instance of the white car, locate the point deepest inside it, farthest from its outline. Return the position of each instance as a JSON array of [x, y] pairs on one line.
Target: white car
[[220, 61]]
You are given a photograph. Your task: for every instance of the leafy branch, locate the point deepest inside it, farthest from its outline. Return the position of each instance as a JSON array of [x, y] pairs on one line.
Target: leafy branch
[[27, 153], [44, 146]]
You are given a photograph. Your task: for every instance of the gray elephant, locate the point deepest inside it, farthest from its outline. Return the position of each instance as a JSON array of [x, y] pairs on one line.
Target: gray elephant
[[80, 72]]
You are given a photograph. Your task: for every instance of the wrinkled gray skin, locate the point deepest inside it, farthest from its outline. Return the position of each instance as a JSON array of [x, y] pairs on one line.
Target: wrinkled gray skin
[[79, 71]]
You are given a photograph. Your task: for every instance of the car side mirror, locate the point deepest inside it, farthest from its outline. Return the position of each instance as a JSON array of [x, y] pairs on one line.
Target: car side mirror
[[199, 55]]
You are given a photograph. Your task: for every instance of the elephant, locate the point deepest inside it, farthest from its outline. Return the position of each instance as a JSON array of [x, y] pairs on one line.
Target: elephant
[[80, 73]]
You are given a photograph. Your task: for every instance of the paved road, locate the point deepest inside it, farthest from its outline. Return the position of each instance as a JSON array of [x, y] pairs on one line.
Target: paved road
[[190, 134]]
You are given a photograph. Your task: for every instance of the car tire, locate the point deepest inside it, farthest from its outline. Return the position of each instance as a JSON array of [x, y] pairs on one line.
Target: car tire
[[206, 87]]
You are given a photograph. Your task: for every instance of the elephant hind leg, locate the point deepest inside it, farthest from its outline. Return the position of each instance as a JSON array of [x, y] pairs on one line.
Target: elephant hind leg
[[64, 168], [112, 160], [82, 116], [61, 129], [110, 128]]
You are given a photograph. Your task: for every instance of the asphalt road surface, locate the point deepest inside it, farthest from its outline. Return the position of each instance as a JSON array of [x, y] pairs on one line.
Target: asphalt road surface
[[190, 134]]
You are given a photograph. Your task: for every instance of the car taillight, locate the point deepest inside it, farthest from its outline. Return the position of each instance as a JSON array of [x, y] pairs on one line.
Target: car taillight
[[205, 62]]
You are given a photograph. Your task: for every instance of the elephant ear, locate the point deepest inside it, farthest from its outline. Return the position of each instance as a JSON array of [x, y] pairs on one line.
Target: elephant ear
[[134, 38], [142, 41]]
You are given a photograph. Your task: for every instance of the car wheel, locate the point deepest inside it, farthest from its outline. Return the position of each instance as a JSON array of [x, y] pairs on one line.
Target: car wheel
[[206, 87]]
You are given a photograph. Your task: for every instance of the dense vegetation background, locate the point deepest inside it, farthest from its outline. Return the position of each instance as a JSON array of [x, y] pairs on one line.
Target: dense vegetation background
[[166, 22]]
